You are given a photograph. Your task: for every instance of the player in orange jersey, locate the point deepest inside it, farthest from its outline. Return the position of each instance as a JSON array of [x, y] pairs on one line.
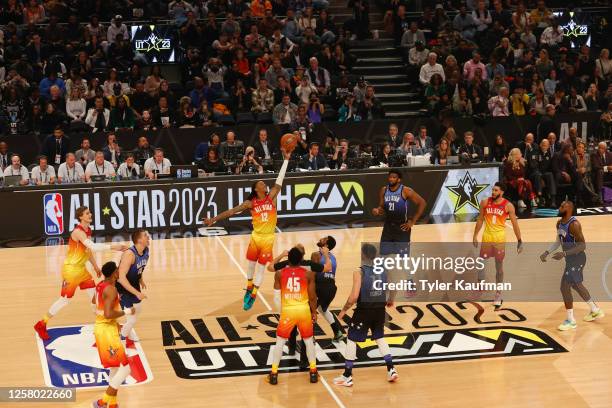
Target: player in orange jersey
[[106, 330], [493, 213], [296, 297], [74, 273], [263, 211]]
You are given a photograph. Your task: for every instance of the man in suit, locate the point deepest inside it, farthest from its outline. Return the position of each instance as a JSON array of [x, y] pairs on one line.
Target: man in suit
[[56, 146], [393, 137], [424, 141], [263, 147], [527, 145], [313, 160], [540, 171], [601, 166], [555, 146], [5, 156], [231, 148], [470, 149]]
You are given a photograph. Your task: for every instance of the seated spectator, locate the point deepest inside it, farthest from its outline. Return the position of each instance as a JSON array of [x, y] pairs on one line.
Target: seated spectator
[[409, 146], [140, 100], [262, 98], [17, 169], [264, 149], [231, 148], [465, 23], [56, 146], [122, 116], [370, 107], [384, 154], [275, 71], [143, 150], [462, 105], [565, 171], [43, 174], [498, 105], [157, 164], [212, 164], [552, 36], [187, 116], [348, 112], [99, 167], [441, 153], [540, 172], [482, 18], [515, 173], [76, 107], [601, 167], [85, 154], [417, 56], [112, 152], [285, 112], [318, 76], [70, 171], [315, 109], [249, 164], [162, 115], [50, 80], [424, 141], [313, 160], [434, 92], [304, 90], [129, 170], [215, 72], [592, 99], [98, 117], [519, 101], [430, 68], [573, 102], [471, 150], [117, 27], [412, 36], [393, 137], [527, 145], [360, 89], [153, 81], [499, 150], [537, 103], [145, 122], [474, 66], [583, 168], [342, 153]]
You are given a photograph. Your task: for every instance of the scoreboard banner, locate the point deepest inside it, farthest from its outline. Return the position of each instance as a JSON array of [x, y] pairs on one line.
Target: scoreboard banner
[[318, 197]]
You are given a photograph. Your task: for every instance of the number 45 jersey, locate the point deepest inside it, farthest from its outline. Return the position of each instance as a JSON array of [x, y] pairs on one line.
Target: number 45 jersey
[[295, 309]]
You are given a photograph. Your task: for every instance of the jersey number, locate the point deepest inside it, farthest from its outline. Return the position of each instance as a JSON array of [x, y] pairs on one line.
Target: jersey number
[[391, 206], [293, 284], [494, 219], [264, 217]]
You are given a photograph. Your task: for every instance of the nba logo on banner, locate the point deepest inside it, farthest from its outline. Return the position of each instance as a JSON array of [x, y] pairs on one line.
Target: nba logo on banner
[[53, 208], [70, 359]]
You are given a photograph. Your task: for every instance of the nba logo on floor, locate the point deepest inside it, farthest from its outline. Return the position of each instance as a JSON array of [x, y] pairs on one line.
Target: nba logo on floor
[[70, 359], [53, 209]]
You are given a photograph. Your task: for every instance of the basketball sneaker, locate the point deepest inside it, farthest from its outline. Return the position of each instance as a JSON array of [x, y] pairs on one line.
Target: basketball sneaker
[[344, 381], [339, 336], [41, 329], [498, 301], [567, 325], [273, 378], [249, 300], [314, 376], [392, 375], [594, 315]]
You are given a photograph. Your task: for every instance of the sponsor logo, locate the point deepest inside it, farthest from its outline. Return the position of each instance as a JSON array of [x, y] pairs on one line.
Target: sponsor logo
[[53, 213], [466, 193], [70, 359], [407, 348]]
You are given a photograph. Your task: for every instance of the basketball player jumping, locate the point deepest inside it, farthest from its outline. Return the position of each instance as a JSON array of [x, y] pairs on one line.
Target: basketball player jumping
[[74, 273], [493, 212], [295, 296], [263, 211], [572, 243], [130, 282], [394, 205], [106, 330], [369, 315]]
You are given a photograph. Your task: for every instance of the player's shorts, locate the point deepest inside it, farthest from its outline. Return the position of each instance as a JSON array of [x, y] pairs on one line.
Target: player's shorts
[[260, 248], [393, 240], [496, 250], [75, 277], [365, 320], [326, 291], [108, 342], [295, 316], [574, 265], [127, 300]]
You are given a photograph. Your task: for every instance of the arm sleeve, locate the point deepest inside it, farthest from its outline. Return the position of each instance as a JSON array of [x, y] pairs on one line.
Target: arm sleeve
[[96, 247], [281, 173], [553, 247], [280, 265]]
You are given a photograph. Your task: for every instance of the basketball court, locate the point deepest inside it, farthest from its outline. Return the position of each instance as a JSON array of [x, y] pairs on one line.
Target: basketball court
[[193, 320]]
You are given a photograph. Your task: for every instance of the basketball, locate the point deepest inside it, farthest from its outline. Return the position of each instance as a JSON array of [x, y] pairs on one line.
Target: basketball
[[288, 142]]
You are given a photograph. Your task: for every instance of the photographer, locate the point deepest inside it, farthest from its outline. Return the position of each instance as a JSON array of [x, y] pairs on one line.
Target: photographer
[[249, 164], [315, 109], [341, 156]]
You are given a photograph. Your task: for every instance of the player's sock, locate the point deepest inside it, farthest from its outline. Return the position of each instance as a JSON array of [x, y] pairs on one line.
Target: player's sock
[[570, 315], [258, 279], [254, 291], [46, 318], [310, 353], [129, 325], [105, 398], [593, 306], [278, 353], [249, 286], [112, 400], [383, 347], [348, 368]]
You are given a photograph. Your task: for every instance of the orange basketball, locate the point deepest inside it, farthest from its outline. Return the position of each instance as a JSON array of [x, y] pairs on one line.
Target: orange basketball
[[288, 142]]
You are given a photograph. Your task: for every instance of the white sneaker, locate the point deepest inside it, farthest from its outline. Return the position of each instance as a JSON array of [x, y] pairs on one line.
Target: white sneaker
[[521, 204], [392, 375], [344, 381], [567, 325], [594, 315]]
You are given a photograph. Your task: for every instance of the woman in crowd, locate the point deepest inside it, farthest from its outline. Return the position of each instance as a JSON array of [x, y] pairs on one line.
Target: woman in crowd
[[187, 116], [385, 154], [499, 150], [515, 170], [211, 163], [441, 153], [153, 81], [249, 164], [583, 168]]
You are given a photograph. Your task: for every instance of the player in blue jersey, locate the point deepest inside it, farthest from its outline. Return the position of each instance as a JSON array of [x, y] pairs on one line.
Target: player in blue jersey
[[394, 204], [130, 282], [572, 243], [326, 283]]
